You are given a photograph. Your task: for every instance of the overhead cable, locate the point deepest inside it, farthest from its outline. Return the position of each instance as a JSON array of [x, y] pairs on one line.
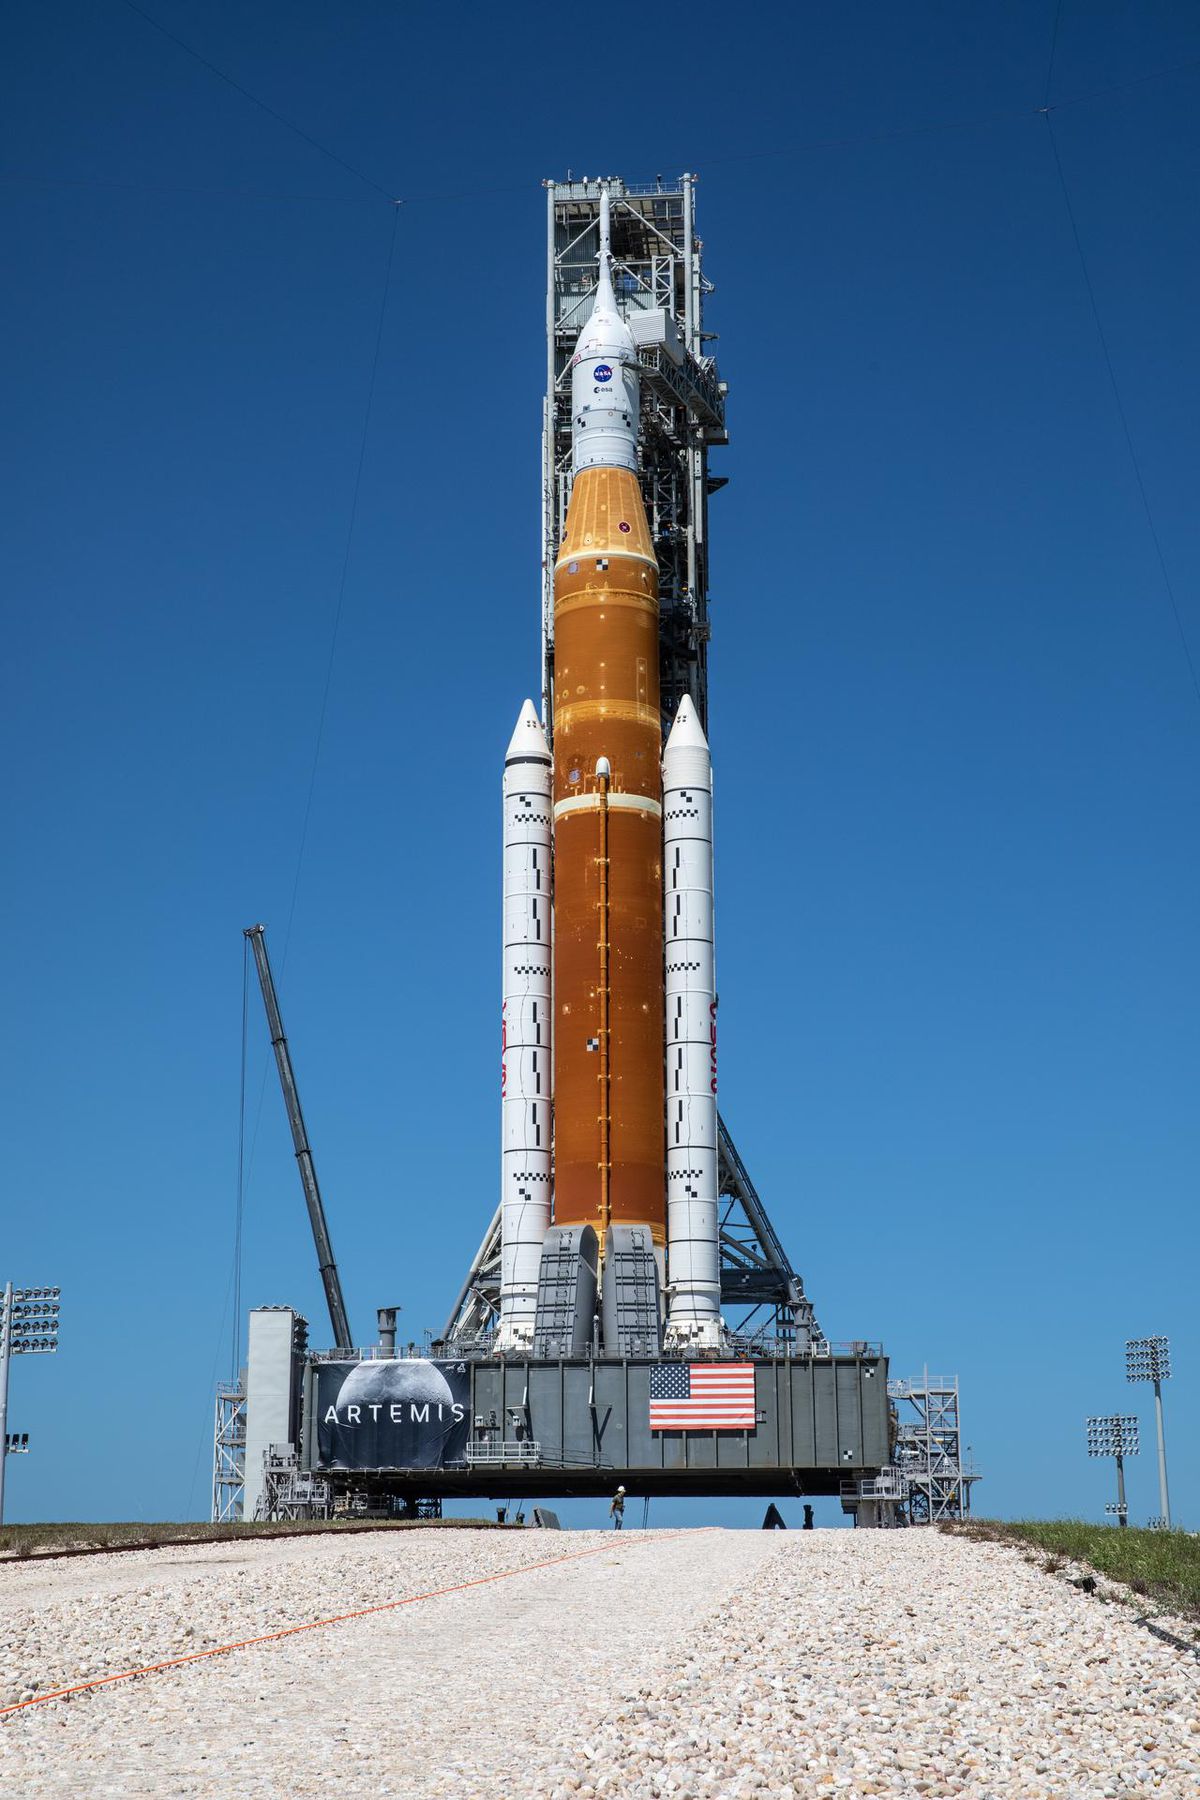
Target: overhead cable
[[288, 124], [341, 594], [778, 152], [338, 610], [239, 1207], [1134, 459]]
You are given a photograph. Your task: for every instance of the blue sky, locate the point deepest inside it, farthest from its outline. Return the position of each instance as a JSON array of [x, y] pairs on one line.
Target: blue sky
[[956, 736]]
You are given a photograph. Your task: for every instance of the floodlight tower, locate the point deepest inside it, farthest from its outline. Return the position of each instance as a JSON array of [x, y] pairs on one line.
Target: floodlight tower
[[1149, 1359], [28, 1326], [1116, 1435]]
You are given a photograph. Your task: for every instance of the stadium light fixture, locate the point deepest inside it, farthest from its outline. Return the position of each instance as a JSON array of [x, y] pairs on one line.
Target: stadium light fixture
[[1149, 1359], [28, 1327], [1115, 1435]]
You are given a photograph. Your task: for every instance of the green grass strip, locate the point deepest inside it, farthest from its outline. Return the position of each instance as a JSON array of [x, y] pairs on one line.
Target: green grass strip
[[22, 1541], [1160, 1565]]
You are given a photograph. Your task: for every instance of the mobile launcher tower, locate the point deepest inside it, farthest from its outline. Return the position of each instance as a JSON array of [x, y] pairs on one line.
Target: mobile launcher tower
[[631, 1314]]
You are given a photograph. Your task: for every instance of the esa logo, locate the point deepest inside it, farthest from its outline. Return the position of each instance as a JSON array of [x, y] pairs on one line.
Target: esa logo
[[602, 372]]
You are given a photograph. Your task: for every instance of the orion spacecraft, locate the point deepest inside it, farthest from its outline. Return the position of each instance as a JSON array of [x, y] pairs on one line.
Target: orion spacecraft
[[609, 1228]]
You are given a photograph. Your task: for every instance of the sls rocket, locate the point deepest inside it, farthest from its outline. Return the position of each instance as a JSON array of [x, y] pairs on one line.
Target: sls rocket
[[609, 1004]]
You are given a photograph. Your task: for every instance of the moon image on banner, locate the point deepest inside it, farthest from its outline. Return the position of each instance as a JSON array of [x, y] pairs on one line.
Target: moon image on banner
[[396, 1414]]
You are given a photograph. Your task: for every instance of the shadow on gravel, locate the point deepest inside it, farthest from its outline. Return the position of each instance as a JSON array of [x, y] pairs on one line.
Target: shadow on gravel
[[1169, 1637]]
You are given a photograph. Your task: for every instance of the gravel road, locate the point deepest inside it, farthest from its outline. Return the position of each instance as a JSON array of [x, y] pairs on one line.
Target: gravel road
[[700, 1665]]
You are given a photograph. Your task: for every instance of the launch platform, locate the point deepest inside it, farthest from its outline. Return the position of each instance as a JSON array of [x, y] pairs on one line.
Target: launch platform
[[417, 1428], [550, 1429]]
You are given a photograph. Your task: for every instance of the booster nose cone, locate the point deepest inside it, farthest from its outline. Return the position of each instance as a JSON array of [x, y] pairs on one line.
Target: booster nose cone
[[686, 760], [528, 741], [605, 394], [686, 732]]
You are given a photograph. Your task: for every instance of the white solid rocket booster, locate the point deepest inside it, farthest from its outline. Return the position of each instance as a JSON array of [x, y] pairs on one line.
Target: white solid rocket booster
[[526, 1054], [693, 1250]]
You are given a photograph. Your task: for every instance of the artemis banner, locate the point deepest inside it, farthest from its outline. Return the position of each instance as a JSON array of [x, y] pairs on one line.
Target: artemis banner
[[398, 1414]]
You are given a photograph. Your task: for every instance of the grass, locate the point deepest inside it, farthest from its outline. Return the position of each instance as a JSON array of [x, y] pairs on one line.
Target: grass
[[22, 1541], [1160, 1565]]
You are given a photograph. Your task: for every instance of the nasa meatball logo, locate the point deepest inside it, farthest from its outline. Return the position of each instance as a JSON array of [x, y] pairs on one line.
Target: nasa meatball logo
[[398, 1413], [602, 372]]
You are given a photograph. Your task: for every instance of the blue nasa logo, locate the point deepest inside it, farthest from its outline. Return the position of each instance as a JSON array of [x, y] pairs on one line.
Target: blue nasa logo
[[602, 372]]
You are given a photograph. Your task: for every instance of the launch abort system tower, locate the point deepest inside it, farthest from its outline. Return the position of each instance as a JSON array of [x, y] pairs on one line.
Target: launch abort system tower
[[630, 1315]]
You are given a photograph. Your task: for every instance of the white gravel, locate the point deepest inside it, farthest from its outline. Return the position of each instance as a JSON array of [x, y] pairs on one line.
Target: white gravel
[[701, 1666]]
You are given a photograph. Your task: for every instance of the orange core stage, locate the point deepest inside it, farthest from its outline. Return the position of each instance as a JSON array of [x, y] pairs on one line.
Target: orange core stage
[[608, 906]]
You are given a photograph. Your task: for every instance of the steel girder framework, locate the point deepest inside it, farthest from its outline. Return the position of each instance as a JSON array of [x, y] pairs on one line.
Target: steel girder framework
[[757, 1280], [229, 1453], [476, 1312], [929, 1450], [290, 1492]]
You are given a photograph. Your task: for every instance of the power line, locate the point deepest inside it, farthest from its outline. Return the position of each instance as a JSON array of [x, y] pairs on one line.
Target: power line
[[233, 1284], [852, 141], [206, 1433], [246, 1163], [288, 124], [856, 139], [1119, 87], [339, 608], [1053, 48], [341, 596], [1120, 406], [937, 126], [239, 1210], [170, 188]]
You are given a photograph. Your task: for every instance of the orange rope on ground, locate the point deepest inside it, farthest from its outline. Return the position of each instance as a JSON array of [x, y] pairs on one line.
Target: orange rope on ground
[[270, 1637]]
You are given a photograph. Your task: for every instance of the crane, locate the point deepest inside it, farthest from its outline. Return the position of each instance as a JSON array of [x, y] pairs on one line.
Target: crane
[[330, 1280]]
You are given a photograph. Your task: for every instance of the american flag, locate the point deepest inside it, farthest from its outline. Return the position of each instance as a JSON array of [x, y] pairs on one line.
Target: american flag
[[701, 1396]]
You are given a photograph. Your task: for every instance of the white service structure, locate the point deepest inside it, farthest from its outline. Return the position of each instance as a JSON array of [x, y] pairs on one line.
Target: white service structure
[[272, 1402]]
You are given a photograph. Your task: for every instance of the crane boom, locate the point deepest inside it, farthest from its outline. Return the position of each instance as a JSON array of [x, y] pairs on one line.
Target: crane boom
[[330, 1279]]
